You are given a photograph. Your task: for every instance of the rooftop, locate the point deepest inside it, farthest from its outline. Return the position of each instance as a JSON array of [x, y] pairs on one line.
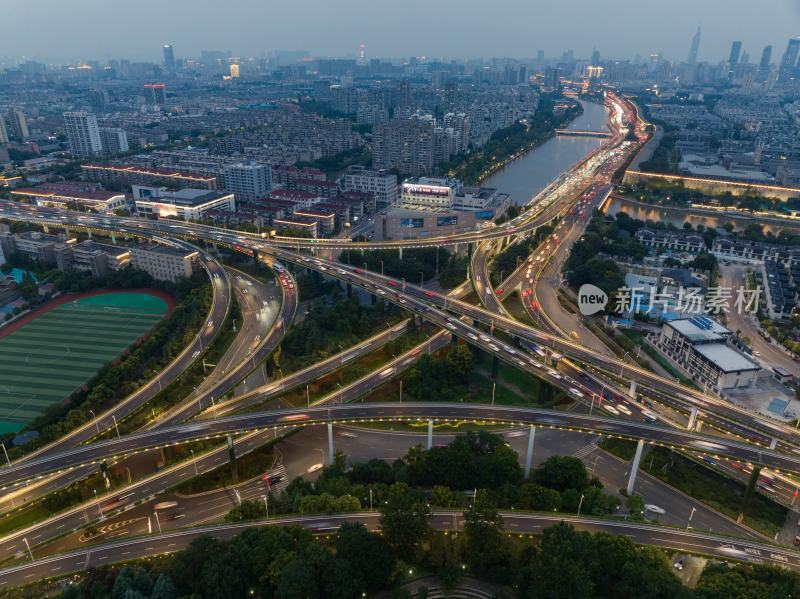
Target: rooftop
[[726, 358]]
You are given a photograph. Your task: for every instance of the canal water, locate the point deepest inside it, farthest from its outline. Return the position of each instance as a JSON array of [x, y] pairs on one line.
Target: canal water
[[526, 177]]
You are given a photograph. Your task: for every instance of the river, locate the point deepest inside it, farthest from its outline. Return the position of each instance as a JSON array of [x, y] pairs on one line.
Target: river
[[529, 175]]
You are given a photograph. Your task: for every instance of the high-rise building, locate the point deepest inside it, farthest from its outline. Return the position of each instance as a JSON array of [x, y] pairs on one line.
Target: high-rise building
[[764, 63], [156, 93], [234, 71], [3, 132], [114, 140], [248, 181], [736, 50], [695, 48], [98, 99], [169, 59], [405, 145], [18, 126], [83, 134], [552, 81], [595, 57], [789, 60]]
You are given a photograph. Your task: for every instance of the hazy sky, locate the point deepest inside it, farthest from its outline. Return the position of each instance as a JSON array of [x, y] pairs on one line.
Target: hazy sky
[[70, 30]]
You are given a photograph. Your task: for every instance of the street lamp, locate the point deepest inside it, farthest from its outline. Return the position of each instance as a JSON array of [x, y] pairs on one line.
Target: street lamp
[[5, 452], [494, 387], [115, 426], [97, 501], [688, 523], [97, 426], [580, 504], [195, 463]]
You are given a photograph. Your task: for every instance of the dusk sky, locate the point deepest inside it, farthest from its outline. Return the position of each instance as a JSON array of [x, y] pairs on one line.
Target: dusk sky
[[54, 30]]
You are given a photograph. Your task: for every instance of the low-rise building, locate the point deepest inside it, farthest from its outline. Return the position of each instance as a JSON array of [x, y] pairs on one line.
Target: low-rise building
[[162, 262], [75, 195], [703, 347], [671, 240], [407, 223], [147, 176], [187, 204]]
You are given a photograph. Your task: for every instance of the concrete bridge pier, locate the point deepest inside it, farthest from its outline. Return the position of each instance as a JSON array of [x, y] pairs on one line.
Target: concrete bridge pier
[[430, 434], [692, 419], [330, 443], [635, 466], [529, 454], [401, 252], [632, 390]]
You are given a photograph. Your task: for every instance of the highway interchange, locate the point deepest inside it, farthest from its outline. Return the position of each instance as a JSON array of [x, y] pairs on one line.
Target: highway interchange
[[455, 316]]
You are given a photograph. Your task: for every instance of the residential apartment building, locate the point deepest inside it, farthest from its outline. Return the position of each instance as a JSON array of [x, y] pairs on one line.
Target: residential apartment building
[[405, 144], [162, 262], [380, 183], [83, 134], [136, 175], [114, 140], [247, 181]]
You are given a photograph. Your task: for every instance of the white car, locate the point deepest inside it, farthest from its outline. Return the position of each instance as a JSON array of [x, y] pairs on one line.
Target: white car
[[484, 338], [472, 336], [576, 393], [610, 408], [493, 347], [314, 468], [624, 409], [450, 326]]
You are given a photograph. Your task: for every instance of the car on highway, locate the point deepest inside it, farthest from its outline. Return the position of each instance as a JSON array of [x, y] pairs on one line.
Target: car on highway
[[649, 507], [314, 467]]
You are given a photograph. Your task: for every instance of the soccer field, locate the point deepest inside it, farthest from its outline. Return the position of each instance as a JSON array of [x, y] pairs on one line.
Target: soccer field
[[43, 362]]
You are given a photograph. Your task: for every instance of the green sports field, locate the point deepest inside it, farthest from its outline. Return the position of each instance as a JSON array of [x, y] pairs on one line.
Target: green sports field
[[44, 361]]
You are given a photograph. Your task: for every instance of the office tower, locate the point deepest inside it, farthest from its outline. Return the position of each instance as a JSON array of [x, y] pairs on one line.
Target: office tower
[[83, 134], [156, 93], [789, 60], [362, 54], [736, 50], [540, 56], [18, 126], [248, 181], [169, 59], [405, 145], [695, 49], [595, 57], [764, 63], [382, 185], [114, 140], [234, 71], [3, 132]]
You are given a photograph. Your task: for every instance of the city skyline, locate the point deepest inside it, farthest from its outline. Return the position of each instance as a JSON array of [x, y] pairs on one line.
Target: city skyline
[[447, 31]]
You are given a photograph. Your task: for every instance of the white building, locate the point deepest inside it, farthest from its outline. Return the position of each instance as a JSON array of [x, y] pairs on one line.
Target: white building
[[248, 181], [163, 262], [381, 184], [114, 140], [83, 134], [429, 193], [701, 346], [3, 132], [18, 124], [187, 204]]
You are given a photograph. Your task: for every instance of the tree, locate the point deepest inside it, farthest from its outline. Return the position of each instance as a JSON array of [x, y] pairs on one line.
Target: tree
[[560, 568], [405, 520], [163, 589], [369, 555], [131, 580], [297, 581], [537, 497], [561, 473], [247, 510], [487, 550], [635, 505]]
